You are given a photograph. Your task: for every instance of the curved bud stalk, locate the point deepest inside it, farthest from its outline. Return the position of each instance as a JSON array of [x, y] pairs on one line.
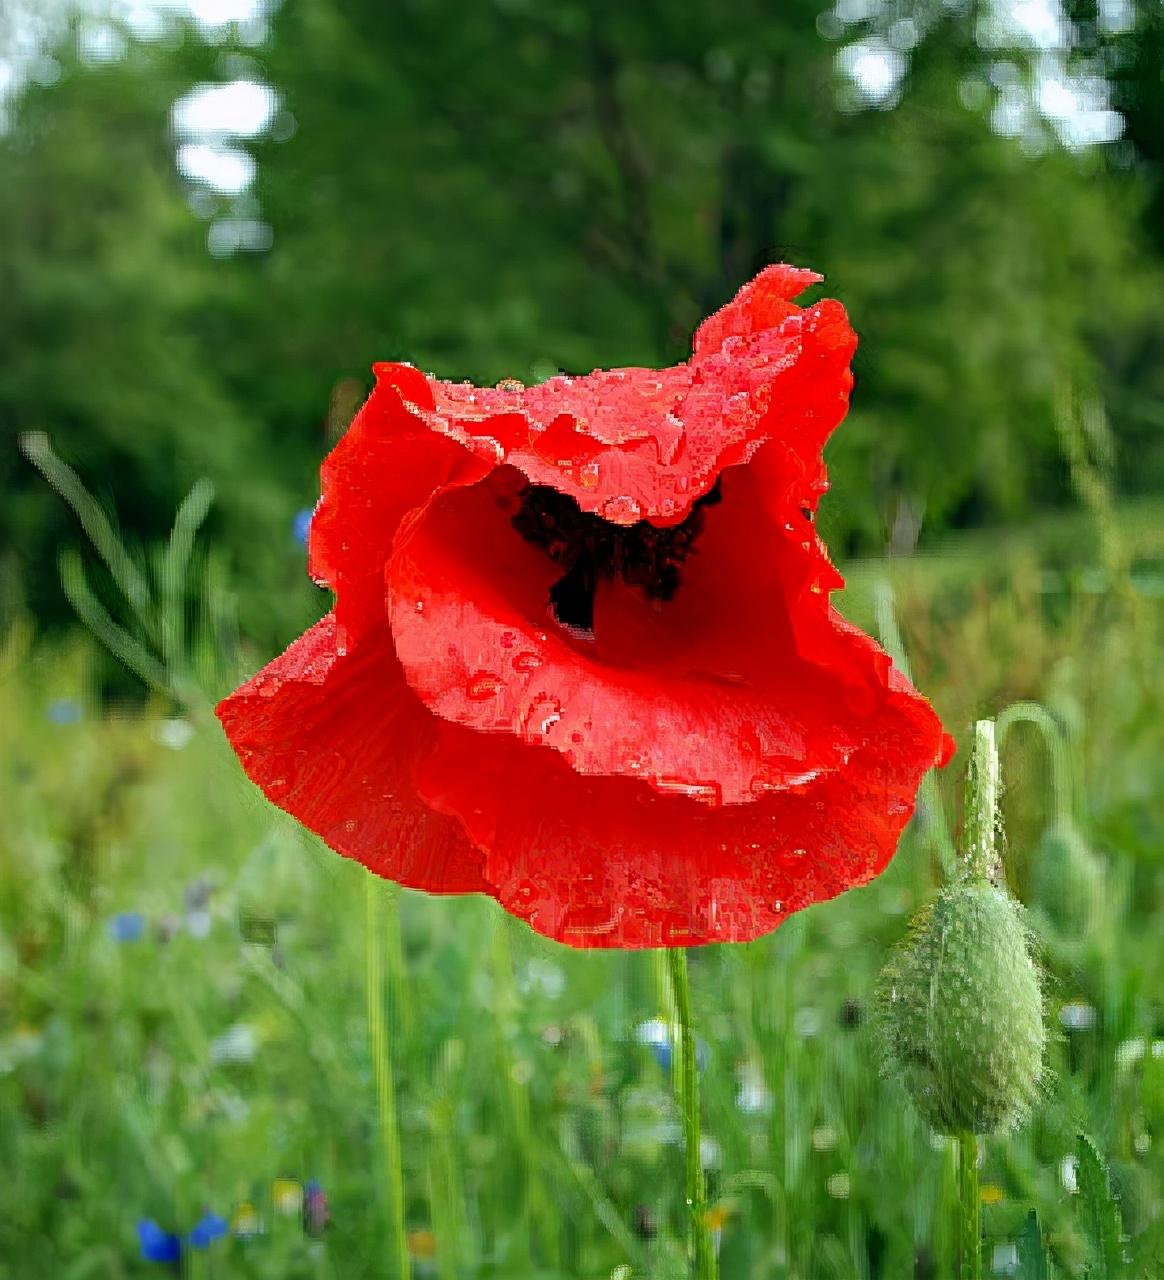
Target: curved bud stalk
[[1066, 876], [979, 856]]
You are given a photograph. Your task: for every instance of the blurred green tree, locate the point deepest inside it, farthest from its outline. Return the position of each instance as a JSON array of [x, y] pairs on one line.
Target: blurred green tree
[[512, 189]]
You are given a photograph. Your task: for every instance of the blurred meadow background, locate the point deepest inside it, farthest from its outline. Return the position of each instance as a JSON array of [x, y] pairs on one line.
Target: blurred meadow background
[[214, 215]]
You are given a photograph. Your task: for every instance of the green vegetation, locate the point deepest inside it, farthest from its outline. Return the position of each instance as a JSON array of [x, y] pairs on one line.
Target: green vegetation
[[194, 1013], [176, 1072], [505, 190]]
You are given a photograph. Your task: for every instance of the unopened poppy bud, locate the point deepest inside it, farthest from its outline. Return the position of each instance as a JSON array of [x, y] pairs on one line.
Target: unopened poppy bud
[[1066, 880], [962, 1011], [961, 1003]]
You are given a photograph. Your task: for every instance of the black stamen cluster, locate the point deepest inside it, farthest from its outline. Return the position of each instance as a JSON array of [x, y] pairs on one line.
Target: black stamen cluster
[[587, 547]]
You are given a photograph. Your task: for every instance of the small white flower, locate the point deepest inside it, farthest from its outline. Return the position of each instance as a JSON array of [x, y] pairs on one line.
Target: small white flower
[[806, 1022], [174, 733], [824, 1138], [1005, 1260], [237, 1044], [1129, 1053], [838, 1186], [1077, 1016]]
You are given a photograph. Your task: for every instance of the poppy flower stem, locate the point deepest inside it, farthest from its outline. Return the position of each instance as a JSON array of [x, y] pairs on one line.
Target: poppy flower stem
[[700, 1250], [969, 1233], [379, 913]]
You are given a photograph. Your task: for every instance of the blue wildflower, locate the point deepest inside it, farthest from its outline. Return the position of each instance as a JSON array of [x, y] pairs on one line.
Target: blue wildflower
[[157, 1245], [206, 1230], [64, 711], [655, 1034], [127, 926], [316, 1214], [301, 524]]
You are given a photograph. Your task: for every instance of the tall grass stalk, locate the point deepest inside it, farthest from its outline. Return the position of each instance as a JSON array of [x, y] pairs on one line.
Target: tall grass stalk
[[930, 810], [379, 903]]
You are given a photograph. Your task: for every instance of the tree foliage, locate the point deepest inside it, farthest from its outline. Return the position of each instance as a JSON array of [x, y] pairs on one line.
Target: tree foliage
[[512, 189]]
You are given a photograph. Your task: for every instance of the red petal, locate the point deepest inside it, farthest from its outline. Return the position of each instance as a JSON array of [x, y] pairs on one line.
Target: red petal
[[747, 690], [635, 444], [386, 465], [721, 695], [605, 862], [332, 739], [763, 303]]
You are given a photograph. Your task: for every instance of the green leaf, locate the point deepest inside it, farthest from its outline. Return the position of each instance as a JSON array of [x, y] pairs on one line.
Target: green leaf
[[1100, 1211], [1032, 1253]]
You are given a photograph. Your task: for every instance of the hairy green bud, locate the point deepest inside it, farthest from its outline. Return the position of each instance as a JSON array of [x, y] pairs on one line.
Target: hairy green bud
[[1067, 881], [961, 1011]]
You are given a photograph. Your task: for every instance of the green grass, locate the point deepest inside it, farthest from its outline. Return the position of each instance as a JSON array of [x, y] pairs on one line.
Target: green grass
[[162, 1077]]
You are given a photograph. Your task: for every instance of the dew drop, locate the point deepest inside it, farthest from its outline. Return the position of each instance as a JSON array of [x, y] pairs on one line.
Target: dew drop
[[483, 686], [544, 712], [705, 792], [623, 510]]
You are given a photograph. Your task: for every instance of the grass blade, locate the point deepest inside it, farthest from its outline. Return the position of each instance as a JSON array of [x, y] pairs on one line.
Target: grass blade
[[130, 580], [1101, 1214]]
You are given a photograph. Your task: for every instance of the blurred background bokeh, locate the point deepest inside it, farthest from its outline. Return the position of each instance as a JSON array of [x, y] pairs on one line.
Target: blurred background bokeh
[[214, 216]]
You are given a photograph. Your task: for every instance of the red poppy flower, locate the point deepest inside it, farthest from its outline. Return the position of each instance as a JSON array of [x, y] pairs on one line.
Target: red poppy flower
[[582, 656]]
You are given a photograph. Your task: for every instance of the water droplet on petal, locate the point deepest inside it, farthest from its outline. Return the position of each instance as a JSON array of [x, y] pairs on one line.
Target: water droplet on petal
[[705, 792], [484, 685], [544, 712], [624, 510]]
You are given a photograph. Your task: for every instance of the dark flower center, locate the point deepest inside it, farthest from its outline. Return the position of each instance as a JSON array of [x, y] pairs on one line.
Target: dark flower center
[[589, 547]]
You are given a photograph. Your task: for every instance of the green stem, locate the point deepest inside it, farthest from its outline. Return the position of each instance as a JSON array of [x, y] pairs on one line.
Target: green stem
[[700, 1250], [930, 810], [375, 896], [1056, 742], [980, 843], [969, 1225]]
